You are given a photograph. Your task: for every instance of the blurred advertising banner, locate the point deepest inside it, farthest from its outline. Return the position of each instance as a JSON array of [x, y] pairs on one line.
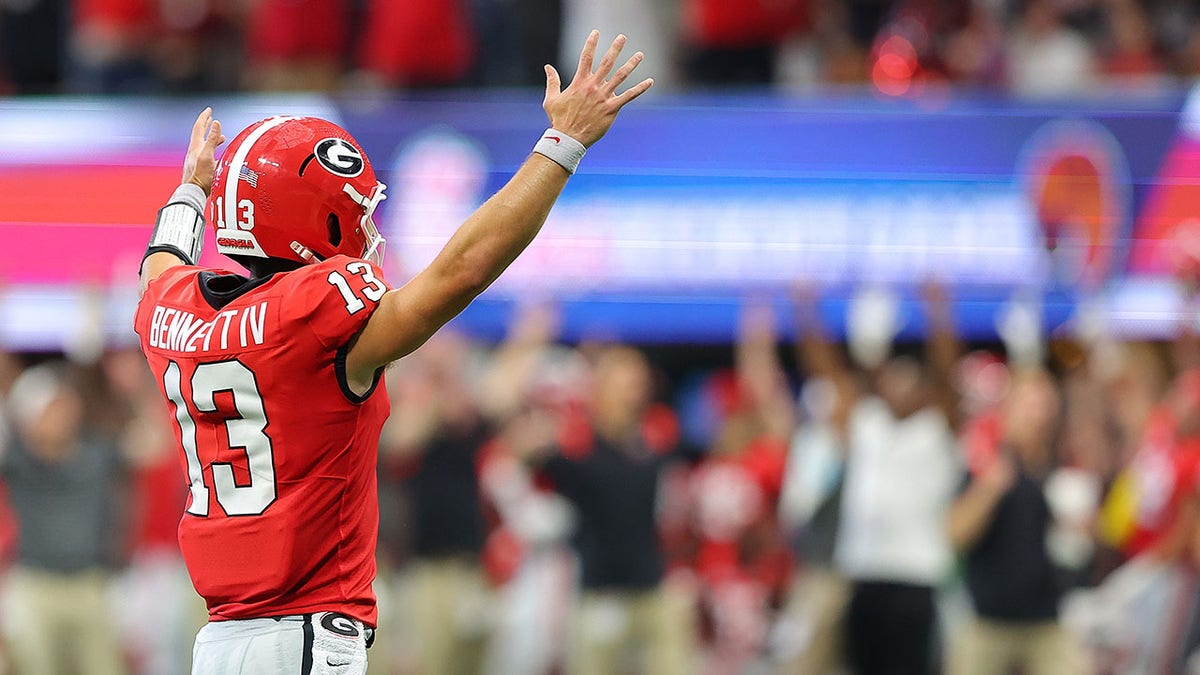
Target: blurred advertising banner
[[690, 204]]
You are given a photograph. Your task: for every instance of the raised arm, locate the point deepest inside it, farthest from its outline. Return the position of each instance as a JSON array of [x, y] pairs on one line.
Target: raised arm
[[761, 373], [816, 354], [1185, 349], [818, 357], [198, 167], [504, 387], [942, 349], [495, 235]]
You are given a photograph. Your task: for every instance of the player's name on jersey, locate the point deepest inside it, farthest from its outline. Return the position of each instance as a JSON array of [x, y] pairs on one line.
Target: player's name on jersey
[[177, 330]]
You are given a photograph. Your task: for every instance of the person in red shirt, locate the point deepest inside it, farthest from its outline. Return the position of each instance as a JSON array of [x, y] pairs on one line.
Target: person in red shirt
[[742, 560], [425, 43], [736, 41], [272, 379], [296, 44], [1165, 473], [111, 42], [1131, 52]]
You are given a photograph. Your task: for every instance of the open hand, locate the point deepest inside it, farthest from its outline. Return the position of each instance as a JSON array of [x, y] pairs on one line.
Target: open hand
[[587, 107], [201, 162]]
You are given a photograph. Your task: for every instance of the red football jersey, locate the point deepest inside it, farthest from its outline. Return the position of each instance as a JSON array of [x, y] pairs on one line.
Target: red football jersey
[[1165, 470], [279, 454]]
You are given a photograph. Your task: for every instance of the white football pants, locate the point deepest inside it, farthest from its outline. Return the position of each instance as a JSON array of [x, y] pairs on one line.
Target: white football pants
[[325, 643]]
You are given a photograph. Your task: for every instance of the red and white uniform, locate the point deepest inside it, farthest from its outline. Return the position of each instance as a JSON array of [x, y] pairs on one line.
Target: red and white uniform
[[280, 455], [1165, 472], [741, 557]]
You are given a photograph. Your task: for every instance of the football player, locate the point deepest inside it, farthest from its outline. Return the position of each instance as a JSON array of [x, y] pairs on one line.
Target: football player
[[273, 379]]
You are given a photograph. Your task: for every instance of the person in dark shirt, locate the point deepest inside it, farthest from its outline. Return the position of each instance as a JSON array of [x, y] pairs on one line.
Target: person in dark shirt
[[429, 450], [447, 515], [64, 481], [614, 490], [612, 480], [1000, 524]]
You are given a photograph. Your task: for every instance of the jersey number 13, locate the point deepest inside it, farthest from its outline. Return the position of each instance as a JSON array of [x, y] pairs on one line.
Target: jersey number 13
[[246, 432]]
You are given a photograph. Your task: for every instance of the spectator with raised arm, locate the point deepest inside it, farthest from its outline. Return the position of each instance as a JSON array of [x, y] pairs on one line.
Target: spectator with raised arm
[[742, 560], [811, 501], [526, 378], [901, 469]]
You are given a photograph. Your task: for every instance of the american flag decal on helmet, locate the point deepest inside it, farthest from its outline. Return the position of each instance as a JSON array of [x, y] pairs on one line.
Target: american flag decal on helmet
[[249, 175]]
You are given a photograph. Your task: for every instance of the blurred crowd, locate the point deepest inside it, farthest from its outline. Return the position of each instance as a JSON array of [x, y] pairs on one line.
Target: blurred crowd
[[798, 504], [1029, 47]]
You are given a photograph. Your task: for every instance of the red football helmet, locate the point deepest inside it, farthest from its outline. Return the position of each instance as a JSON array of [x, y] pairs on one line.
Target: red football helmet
[[296, 188]]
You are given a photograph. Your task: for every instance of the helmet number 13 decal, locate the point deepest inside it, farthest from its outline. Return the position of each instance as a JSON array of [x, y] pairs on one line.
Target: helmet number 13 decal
[[245, 215], [370, 287]]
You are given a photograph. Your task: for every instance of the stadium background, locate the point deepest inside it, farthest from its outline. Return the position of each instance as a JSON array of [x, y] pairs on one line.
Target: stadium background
[[1037, 159]]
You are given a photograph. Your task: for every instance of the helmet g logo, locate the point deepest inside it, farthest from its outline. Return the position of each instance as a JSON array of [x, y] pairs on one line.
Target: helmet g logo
[[339, 157]]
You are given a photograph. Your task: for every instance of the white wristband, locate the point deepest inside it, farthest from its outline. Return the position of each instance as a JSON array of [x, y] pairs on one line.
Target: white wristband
[[180, 225], [564, 150]]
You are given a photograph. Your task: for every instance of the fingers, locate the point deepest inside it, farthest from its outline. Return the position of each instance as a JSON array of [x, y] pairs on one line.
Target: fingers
[[624, 71], [215, 137], [553, 83], [589, 51], [610, 57], [635, 91], [201, 125]]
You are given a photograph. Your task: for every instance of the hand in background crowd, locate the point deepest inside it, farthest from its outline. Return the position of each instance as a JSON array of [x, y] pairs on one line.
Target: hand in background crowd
[[999, 476]]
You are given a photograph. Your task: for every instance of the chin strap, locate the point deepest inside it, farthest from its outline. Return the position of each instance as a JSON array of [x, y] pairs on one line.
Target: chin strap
[[305, 253], [374, 247]]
